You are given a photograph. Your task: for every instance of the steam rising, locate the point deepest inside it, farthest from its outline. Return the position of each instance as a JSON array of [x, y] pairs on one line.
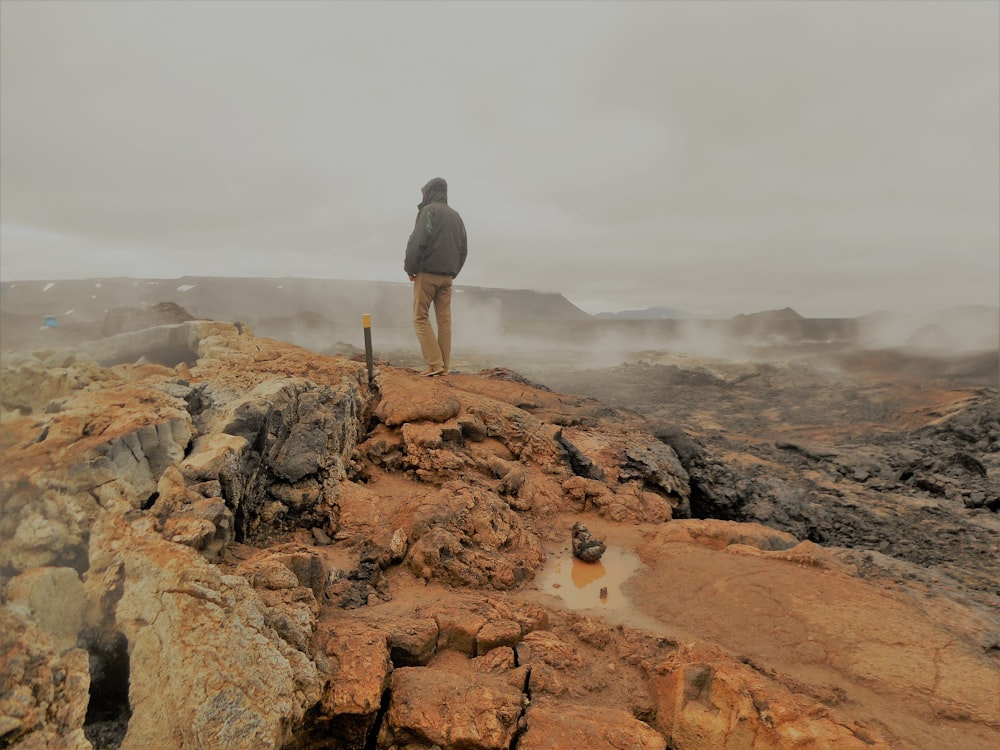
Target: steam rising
[[522, 330]]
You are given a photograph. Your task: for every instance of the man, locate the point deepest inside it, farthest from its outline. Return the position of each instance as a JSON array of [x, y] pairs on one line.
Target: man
[[435, 255]]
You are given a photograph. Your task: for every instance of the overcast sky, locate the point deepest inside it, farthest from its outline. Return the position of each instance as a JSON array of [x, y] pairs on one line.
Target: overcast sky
[[715, 157]]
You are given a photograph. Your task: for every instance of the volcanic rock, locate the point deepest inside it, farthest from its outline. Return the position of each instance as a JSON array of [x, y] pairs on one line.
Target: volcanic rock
[[158, 540], [585, 547], [551, 726], [180, 616], [54, 599], [711, 704], [44, 690], [476, 711]]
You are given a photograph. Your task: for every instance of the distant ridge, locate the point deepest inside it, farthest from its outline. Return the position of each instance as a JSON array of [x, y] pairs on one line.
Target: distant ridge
[[319, 311], [648, 313], [785, 313], [254, 299]]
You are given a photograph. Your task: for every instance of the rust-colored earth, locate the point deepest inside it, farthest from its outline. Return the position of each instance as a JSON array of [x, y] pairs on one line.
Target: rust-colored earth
[[839, 572]]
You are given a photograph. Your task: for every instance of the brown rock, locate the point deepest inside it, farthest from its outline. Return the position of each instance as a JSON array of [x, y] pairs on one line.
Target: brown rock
[[287, 583], [360, 512], [357, 671], [547, 647], [182, 618], [421, 436], [528, 615], [523, 434], [512, 478], [205, 525], [471, 537], [457, 630], [43, 693], [586, 494], [472, 428], [382, 447], [406, 397], [398, 545], [321, 537], [544, 679], [499, 633], [554, 726], [495, 661], [452, 711], [412, 642], [723, 704]]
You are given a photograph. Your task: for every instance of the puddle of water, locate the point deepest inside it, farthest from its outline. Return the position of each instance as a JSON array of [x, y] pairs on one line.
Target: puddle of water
[[586, 585]]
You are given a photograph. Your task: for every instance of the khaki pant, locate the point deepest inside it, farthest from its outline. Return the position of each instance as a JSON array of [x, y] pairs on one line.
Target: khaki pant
[[428, 289]]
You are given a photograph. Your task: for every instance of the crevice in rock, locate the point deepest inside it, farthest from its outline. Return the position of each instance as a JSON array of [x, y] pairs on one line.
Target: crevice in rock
[[318, 731], [578, 462], [108, 711], [197, 399], [79, 560], [239, 522], [371, 741], [149, 501], [522, 719], [704, 504]]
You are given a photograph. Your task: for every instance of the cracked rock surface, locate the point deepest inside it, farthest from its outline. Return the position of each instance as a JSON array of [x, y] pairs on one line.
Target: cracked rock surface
[[257, 547]]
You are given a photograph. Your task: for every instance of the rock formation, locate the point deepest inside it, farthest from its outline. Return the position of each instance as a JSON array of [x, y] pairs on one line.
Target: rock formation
[[122, 319], [585, 547], [251, 546]]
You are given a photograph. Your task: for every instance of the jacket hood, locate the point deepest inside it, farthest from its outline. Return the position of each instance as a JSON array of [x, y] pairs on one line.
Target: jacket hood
[[435, 191]]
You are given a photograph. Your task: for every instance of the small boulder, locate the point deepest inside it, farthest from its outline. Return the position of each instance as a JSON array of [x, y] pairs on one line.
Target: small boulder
[[585, 547]]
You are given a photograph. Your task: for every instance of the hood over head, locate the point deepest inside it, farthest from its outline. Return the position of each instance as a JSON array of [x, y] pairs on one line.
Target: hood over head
[[435, 191]]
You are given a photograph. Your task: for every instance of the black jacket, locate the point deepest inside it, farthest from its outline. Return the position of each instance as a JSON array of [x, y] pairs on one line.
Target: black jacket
[[439, 243]]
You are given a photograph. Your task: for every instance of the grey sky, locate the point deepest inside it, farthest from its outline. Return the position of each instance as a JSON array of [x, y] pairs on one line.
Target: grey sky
[[717, 157]]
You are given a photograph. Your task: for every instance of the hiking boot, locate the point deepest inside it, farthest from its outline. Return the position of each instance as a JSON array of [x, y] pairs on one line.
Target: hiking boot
[[432, 372]]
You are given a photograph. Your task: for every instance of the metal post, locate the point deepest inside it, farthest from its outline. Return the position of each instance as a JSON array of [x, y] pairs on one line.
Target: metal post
[[366, 319]]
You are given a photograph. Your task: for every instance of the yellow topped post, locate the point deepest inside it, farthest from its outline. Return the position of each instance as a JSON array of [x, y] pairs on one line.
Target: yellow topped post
[[366, 320]]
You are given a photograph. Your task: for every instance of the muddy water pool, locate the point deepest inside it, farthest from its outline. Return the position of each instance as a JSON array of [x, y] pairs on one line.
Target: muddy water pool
[[583, 585]]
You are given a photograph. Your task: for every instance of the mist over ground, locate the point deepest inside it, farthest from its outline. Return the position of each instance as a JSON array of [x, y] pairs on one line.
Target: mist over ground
[[520, 329]]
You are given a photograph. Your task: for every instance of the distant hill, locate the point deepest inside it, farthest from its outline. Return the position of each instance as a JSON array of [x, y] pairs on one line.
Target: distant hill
[[254, 300], [318, 312], [649, 313], [767, 316]]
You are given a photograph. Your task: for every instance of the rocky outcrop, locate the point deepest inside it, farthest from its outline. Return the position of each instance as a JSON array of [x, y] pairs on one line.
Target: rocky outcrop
[[257, 547], [892, 464], [555, 725], [44, 690], [54, 600], [706, 701], [181, 616], [122, 319], [471, 537], [435, 707]]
